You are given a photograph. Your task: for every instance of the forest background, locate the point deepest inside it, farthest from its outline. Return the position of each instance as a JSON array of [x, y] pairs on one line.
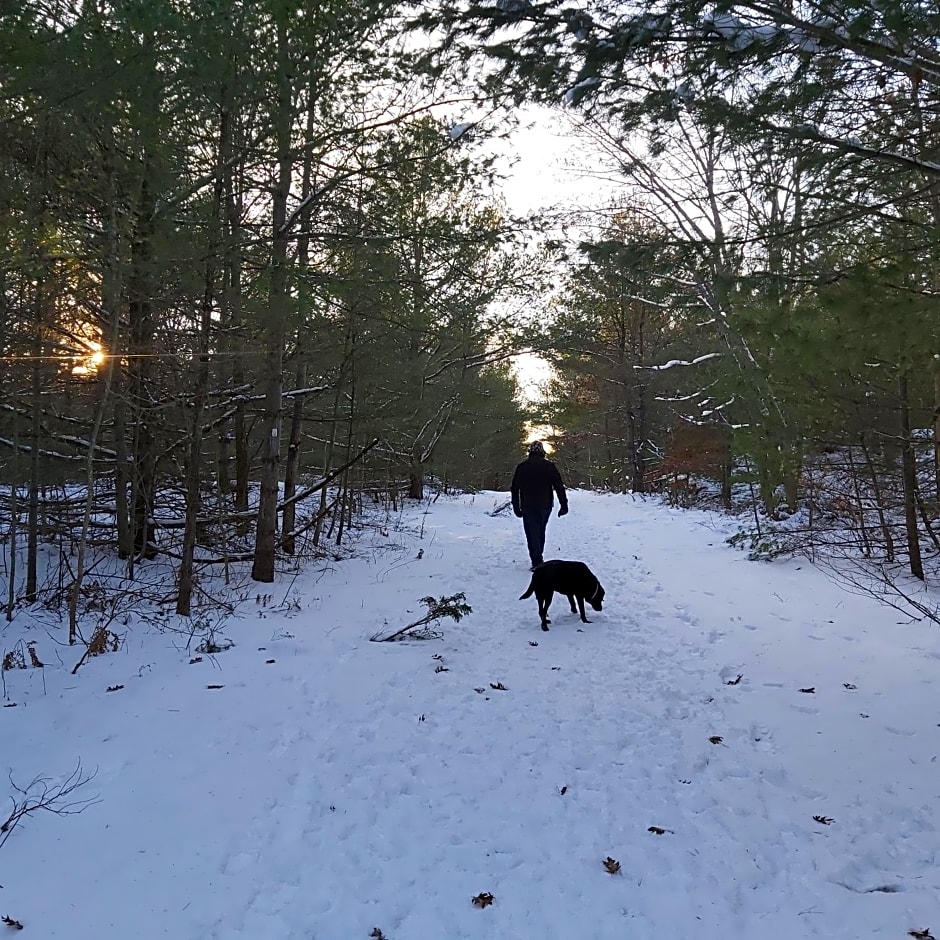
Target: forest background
[[257, 270]]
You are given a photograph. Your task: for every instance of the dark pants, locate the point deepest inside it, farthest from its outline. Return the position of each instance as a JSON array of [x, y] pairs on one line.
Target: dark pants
[[534, 522]]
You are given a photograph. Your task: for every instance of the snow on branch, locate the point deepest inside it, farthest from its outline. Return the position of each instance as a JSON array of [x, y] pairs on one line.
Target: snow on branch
[[577, 92], [26, 449], [846, 145], [717, 409], [681, 362]]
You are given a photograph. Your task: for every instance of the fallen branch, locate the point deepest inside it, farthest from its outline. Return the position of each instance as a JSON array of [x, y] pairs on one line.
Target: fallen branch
[[42, 794], [453, 607]]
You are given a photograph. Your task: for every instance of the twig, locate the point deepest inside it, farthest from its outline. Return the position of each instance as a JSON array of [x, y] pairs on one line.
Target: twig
[[42, 794]]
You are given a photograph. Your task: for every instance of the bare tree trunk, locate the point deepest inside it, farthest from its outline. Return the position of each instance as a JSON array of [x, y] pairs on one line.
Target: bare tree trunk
[[232, 320], [201, 390], [416, 480], [14, 519], [140, 309], [222, 480], [879, 500], [275, 328], [637, 422], [327, 463], [628, 470], [293, 459], [122, 480], [242, 463], [925, 518], [639, 432], [863, 528], [300, 376], [111, 288], [792, 470], [936, 428], [76, 588], [909, 478], [727, 467], [32, 513]]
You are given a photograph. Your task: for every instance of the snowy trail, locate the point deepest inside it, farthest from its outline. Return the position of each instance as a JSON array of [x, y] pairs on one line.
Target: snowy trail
[[349, 785]]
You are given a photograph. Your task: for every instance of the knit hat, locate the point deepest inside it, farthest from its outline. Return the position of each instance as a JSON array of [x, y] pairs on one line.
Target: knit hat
[[536, 449]]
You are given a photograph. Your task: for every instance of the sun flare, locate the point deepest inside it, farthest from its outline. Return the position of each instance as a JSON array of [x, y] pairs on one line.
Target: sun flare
[[90, 364]]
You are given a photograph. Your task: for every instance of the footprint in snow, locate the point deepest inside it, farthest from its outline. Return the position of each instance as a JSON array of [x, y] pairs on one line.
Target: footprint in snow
[[806, 709], [899, 731]]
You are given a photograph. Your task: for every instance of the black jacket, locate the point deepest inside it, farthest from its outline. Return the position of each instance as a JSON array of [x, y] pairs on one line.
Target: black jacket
[[532, 485]]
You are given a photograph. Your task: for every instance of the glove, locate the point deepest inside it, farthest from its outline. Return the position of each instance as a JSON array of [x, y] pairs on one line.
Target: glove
[[518, 512], [563, 511]]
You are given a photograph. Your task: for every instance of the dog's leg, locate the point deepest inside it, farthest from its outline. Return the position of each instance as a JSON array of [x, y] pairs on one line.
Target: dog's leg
[[574, 609], [544, 603], [581, 610]]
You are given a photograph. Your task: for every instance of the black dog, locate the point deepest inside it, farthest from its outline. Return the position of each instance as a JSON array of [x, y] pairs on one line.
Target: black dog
[[573, 579]]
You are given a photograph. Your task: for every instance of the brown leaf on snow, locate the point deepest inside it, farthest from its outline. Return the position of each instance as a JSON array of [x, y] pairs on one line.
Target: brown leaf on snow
[[377, 934], [809, 690], [195, 659], [735, 681], [441, 668], [849, 686], [533, 643], [658, 830], [564, 790], [215, 686], [481, 690], [268, 662], [498, 686], [114, 688], [10, 922], [612, 865], [716, 739], [924, 934], [824, 820], [483, 899]]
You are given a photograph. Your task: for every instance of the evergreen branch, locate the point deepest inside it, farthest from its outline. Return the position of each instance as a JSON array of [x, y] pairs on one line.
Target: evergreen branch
[[438, 608]]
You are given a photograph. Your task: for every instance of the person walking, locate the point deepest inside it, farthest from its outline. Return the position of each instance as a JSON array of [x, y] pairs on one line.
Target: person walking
[[532, 485]]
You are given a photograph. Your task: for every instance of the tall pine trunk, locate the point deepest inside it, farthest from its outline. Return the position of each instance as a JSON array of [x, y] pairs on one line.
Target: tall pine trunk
[[140, 314], [232, 325], [936, 428], [32, 512], [909, 479], [112, 341], [201, 389], [292, 467], [275, 333]]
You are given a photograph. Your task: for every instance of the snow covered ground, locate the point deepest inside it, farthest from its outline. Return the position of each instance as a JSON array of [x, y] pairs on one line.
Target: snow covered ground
[[333, 786]]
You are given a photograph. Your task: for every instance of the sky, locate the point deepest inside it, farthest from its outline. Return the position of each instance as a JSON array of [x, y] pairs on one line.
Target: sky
[[549, 164], [537, 162], [729, 749]]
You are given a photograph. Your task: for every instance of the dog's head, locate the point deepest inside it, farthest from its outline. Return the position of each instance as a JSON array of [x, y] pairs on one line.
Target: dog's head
[[597, 600]]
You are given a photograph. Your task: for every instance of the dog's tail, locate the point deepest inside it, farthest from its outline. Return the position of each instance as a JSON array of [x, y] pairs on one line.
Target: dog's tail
[[529, 590]]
